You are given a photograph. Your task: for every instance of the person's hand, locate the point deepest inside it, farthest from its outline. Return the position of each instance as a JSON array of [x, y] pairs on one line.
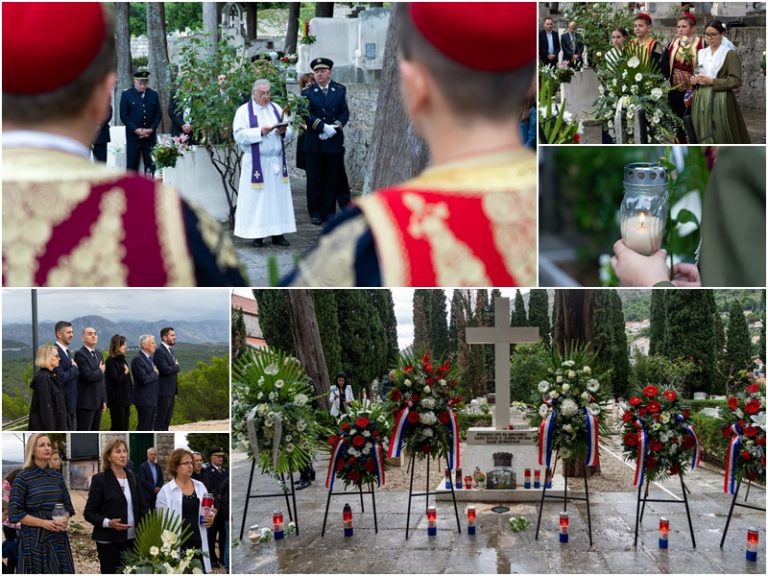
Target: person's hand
[[209, 518], [157, 490], [187, 128], [115, 524], [52, 526], [104, 407], [282, 129], [634, 269], [323, 137], [102, 366], [552, 57], [266, 130], [329, 131], [156, 370], [126, 370], [704, 80], [686, 276]]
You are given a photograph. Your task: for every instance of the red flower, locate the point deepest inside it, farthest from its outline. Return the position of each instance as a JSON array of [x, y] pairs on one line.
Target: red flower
[[635, 401], [354, 475], [408, 369], [358, 441], [453, 383], [429, 381], [752, 475], [370, 465], [332, 440], [745, 455], [426, 358], [361, 422], [377, 434], [642, 411], [654, 406], [670, 395], [753, 389], [657, 445], [733, 402], [576, 138], [750, 432], [339, 463], [752, 407], [650, 463], [627, 416], [352, 461], [444, 417], [651, 391], [761, 440], [345, 426], [674, 469], [687, 442], [415, 398], [426, 448], [630, 439], [727, 432], [395, 395], [413, 417]]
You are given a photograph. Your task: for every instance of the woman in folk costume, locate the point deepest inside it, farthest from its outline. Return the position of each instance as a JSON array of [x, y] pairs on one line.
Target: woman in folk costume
[[642, 27], [716, 114], [264, 202]]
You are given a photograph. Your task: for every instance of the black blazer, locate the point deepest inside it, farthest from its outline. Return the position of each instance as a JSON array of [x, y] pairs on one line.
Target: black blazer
[[176, 114], [331, 109], [90, 385], [169, 371], [544, 46], [147, 388], [119, 384], [48, 409], [67, 374], [103, 136], [106, 500], [147, 485]]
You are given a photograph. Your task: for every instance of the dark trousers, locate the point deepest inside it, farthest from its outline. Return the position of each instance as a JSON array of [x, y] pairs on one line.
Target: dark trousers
[[146, 418], [88, 420], [72, 420], [109, 556], [120, 416], [164, 412], [217, 532], [100, 152], [135, 147], [323, 183]]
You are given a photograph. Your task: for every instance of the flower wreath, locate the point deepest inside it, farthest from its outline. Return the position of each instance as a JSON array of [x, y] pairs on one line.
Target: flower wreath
[[745, 433]]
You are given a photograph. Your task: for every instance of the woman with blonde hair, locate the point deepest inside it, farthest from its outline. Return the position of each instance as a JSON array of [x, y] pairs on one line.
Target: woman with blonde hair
[[184, 495], [48, 409], [114, 507], [37, 492]]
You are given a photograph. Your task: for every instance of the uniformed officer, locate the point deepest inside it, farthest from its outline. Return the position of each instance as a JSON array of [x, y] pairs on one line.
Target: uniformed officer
[[213, 477], [141, 114], [324, 142]]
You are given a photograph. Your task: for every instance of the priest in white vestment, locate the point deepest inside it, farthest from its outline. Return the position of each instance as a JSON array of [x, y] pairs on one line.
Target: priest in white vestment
[[264, 202]]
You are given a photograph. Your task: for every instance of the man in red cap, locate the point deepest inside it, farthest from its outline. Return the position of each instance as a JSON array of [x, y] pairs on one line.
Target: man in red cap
[[642, 26], [67, 221], [469, 219]]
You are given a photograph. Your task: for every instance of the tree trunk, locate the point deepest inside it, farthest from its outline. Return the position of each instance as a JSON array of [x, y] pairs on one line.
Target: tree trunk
[[324, 9], [306, 337], [123, 40], [292, 35], [252, 20], [211, 24], [159, 64], [397, 152], [573, 318]]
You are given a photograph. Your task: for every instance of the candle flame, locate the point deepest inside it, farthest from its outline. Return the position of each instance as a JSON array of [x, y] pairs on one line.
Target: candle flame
[[642, 220]]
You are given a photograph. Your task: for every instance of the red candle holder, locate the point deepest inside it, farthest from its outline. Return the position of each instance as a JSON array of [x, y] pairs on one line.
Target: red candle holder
[[753, 538], [347, 518], [564, 522], [663, 532], [277, 525], [432, 521]]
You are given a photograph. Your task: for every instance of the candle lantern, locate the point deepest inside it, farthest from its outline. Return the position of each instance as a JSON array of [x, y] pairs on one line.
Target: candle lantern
[[471, 518], [447, 478], [537, 478], [527, 478], [277, 525], [564, 521], [254, 535], [663, 532], [347, 516], [548, 481], [752, 539], [468, 482], [458, 478], [644, 207], [432, 521]]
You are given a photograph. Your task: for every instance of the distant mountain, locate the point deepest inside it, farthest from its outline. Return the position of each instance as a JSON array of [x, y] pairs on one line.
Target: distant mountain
[[200, 332]]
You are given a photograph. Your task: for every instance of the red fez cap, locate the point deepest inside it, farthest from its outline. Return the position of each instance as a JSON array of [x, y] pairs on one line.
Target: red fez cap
[[47, 45], [489, 36], [643, 16], [688, 16]]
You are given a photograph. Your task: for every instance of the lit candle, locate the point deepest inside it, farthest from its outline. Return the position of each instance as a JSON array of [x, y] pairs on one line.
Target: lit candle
[[347, 517], [277, 525], [564, 521], [447, 478], [458, 478], [468, 482], [537, 478], [663, 532], [253, 533], [527, 478], [432, 521], [471, 517], [642, 233], [549, 479], [752, 539]]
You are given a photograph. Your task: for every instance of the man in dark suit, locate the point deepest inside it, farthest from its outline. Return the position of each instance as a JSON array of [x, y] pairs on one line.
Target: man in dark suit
[[91, 393], [328, 113], [197, 463], [573, 46], [103, 138], [213, 476], [168, 367], [549, 43], [180, 120], [150, 478], [141, 114], [67, 371], [146, 387]]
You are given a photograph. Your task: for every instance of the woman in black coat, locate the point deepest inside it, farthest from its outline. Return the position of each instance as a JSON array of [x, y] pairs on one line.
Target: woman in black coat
[[114, 507], [117, 377], [48, 409]]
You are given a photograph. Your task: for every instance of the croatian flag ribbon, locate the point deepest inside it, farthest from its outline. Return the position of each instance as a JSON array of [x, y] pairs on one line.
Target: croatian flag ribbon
[[696, 446], [454, 455], [731, 459], [592, 438], [378, 459], [398, 433], [642, 454], [331, 476], [546, 433]]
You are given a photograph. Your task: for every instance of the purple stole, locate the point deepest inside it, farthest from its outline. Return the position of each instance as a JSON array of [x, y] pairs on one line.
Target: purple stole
[[257, 176]]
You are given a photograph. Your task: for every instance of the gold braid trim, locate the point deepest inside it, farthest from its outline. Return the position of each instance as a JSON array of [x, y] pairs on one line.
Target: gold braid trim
[[171, 235]]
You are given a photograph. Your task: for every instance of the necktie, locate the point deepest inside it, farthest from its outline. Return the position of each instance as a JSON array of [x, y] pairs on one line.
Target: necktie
[[154, 473], [68, 354]]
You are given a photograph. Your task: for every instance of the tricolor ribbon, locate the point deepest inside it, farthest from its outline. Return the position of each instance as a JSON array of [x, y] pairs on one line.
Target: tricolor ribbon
[[378, 458], [398, 433], [546, 434], [592, 439], [336, 454], [696, 446], [329, 478], [642, 454], [731, 459], [454, 455]]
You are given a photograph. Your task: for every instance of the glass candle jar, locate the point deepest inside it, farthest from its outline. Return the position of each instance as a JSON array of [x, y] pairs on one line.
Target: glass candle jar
[[644, 207]]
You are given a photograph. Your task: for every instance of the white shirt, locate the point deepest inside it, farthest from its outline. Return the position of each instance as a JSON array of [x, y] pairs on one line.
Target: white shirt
[[36, 139], [170, 497]]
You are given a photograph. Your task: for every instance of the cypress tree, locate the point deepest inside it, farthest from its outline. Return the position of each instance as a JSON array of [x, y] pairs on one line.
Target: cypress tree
[[721, 374], [357, 338], [275, 319], [738, 348], [658, 322], [438, 324], [327, 315], [762, 328], [390, 326], [420, 321], [602, 331], [519, 317], [621, 370], [538, 313]]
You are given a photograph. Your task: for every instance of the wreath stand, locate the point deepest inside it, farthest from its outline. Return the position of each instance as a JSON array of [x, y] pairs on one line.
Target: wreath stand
[[565, 500], [293, 515], [371, 491], [734, 503], [644, 498], [412, 494]]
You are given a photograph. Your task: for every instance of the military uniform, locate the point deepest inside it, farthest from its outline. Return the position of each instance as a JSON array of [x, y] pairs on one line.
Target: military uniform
[[139, 110], [325, 157]]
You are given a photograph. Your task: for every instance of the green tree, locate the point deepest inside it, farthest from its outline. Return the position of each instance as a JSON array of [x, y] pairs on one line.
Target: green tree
[[762, 327], [538, 313], [603, 342], [658, 322], [738, 348], [238, 334], [456, 336], [519, 317], [203, 392], [182, 15], [420, 320], [138, 18], [620, 363], [328, 323], [361, 334], [528, 367], [275, 319], [390, 325], [204, 442], [661, 371], [438, 324], [720, 360]]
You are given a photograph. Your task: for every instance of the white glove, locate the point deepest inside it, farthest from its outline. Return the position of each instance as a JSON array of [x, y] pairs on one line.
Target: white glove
[[329, 131], [323, 137]]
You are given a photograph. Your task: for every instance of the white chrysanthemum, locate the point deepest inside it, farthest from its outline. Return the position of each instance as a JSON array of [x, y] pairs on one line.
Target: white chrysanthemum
[[543, 409], [261, 409], [427, 418], [289, 437], [366, 434], [301, 399], [428, 403], [586, 396], [271, 370], [638, 77], [280, 383], [593, 385], [554, 394], [664, 417], [633, 62], [594, 409], [273, 396], [565, 453], [154, 551], [289, 448], [569, 408], [566, 387], [657, 93], [428, 433], [543, 386], [175, 554], [569, 363], [587, 370]]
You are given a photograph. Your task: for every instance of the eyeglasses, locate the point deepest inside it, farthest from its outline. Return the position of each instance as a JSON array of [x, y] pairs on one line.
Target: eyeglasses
[[188, 463], [711, 34]]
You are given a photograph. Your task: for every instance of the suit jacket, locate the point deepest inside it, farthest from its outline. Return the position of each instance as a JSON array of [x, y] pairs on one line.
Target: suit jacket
[[146, 388], [91, 394], [119, 384], [331, 109], [102, 136], [569, 49], [213, 478], [138, 112], [544, 45], [67, 374], [106, 500], [147, 484], [169, 371], [176, 113]]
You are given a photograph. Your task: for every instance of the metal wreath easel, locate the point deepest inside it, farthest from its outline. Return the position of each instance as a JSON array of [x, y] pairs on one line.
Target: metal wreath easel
[[411, 494], [565, 498], [370, 491], [734, 503], [644, 498], [293, 515]]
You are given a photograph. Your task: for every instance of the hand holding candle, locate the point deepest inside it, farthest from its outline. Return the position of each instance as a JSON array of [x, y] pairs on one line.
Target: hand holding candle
[[643, 233]]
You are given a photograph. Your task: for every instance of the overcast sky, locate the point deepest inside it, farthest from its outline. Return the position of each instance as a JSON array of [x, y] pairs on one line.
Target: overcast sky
[[117, 304], [403, 299]]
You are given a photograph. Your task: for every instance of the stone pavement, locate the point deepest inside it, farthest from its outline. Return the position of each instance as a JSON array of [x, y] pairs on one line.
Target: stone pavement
[[495, 548]]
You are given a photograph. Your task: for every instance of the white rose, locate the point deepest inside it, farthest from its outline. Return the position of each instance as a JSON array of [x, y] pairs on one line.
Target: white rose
[[553, 394], [587, 370], [566, 387], [559, 379], [426, 390], [585, 396], [638, 77], [571, 374], [633, 62], [408, 383], [301, 399], [442, 382], [656, 93], [543, 386]]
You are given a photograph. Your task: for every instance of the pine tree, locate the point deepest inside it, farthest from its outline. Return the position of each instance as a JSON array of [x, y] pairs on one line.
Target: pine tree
[[602, 331], [519, 317], [328, 321], [621, 370], [420, 321], [738, 348], [538, 313], [658, 322], [438, 324], [275, 319]]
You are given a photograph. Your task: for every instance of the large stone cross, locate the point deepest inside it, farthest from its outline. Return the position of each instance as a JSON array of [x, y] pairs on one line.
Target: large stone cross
[[502, 335]]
